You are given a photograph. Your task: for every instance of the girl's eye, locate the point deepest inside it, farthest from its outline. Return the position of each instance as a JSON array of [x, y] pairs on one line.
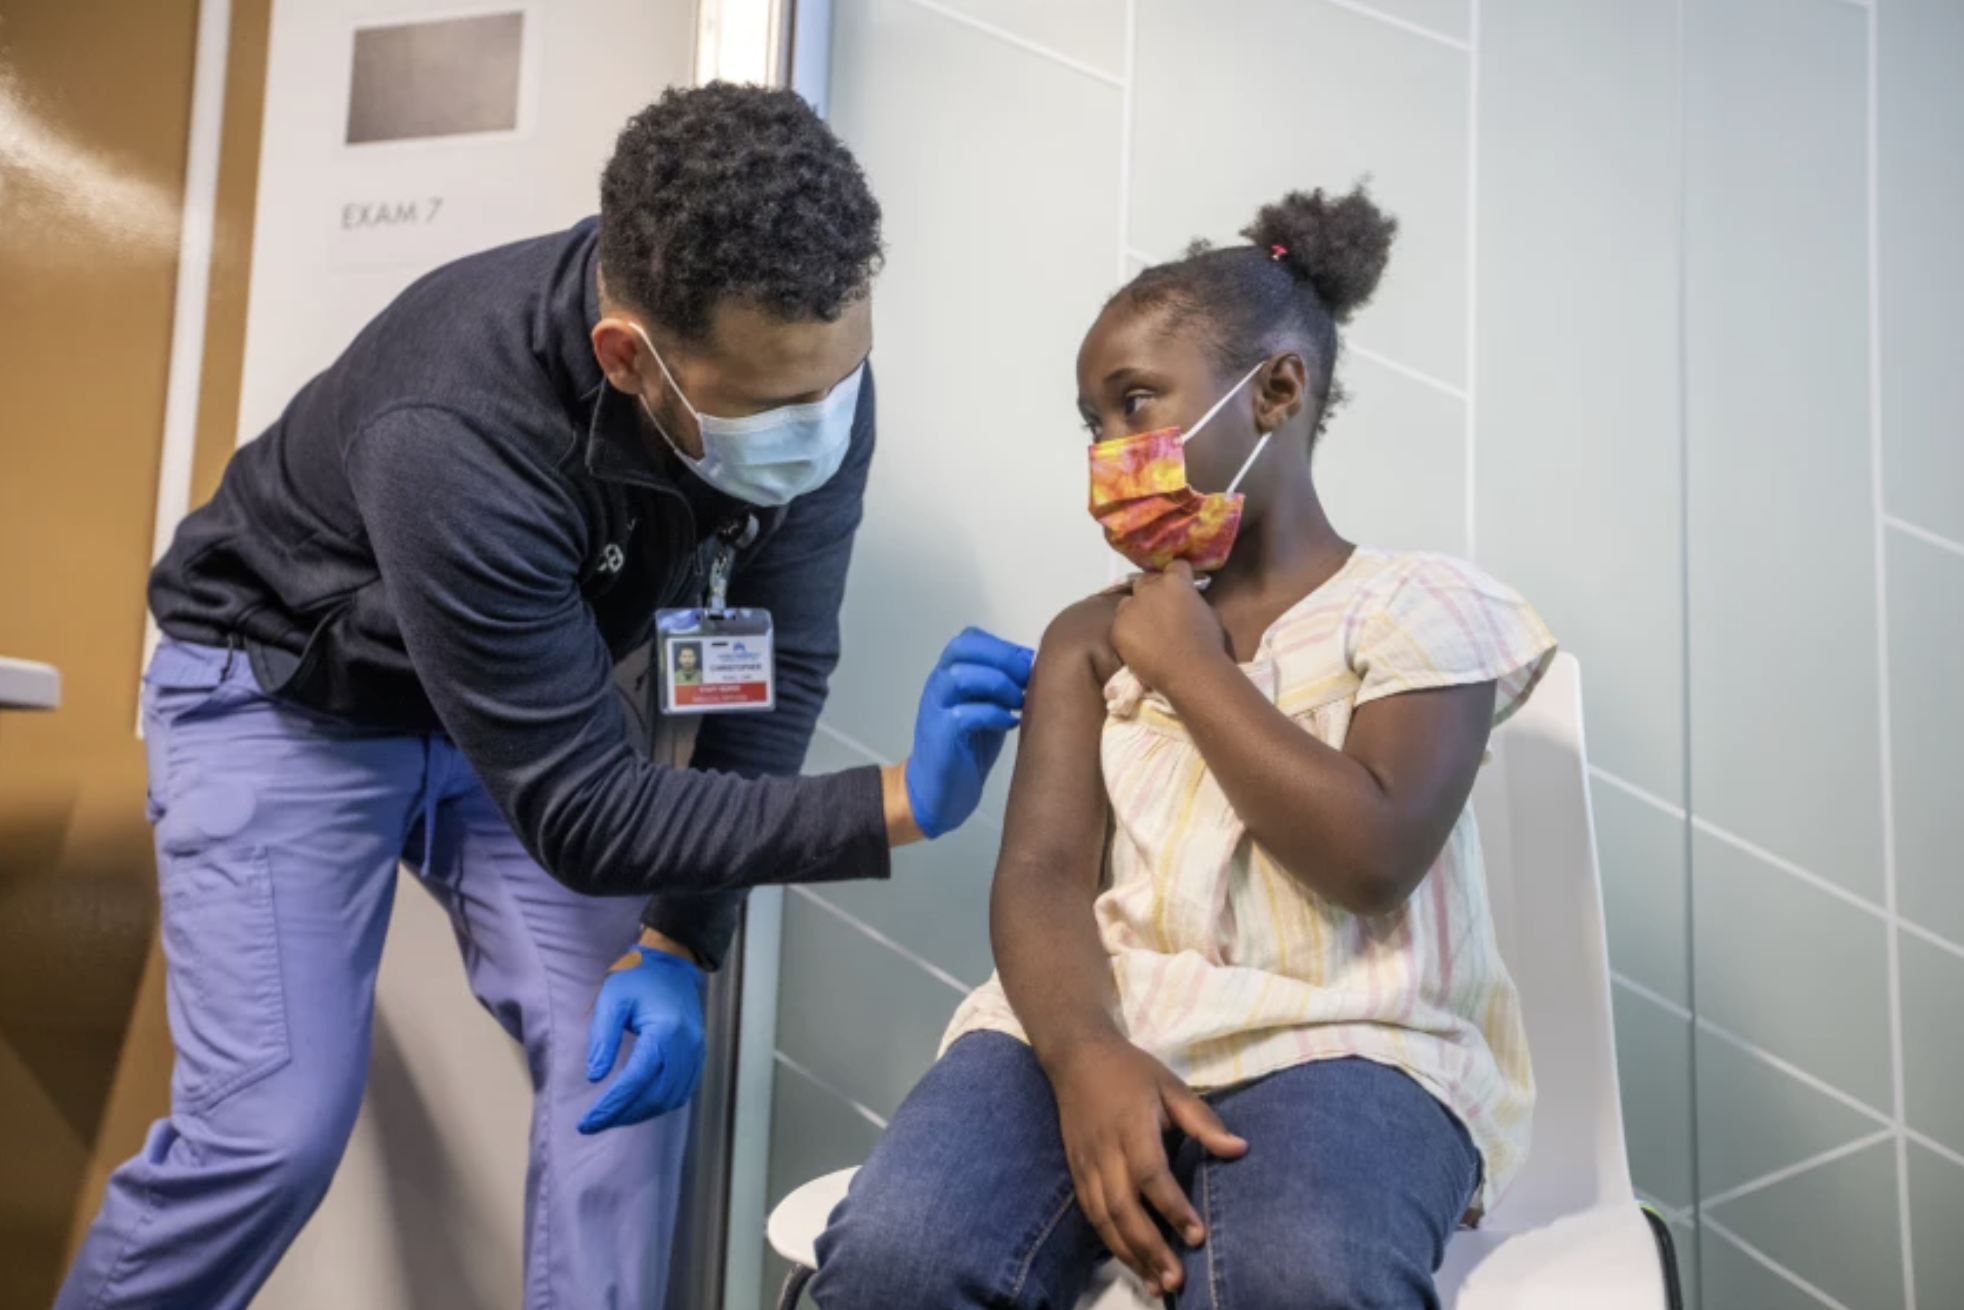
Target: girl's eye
[[1134, 400]]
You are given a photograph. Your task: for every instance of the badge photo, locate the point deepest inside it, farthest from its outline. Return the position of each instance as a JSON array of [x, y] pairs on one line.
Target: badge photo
[[716, 662]]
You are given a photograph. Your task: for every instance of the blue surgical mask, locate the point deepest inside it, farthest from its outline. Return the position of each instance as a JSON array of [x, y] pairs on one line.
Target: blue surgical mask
[[770, 458]]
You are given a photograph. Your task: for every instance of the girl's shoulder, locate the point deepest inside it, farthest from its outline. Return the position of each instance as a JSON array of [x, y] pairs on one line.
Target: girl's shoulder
[[1381, 575], [1374, 581], [1421, 619], [1082, 631]]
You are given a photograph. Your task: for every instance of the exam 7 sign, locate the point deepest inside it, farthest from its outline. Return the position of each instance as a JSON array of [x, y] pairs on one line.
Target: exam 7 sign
[[407, 229]]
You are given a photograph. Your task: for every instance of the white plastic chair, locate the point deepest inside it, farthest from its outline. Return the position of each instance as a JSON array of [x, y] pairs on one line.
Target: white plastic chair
[[1569, 1231]]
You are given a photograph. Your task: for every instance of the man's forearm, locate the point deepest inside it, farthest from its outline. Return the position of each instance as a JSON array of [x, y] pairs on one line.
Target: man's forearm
[[902, 827], [699, 927]]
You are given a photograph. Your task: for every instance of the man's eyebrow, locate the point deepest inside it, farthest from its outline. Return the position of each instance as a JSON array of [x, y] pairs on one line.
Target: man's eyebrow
[[775, 402]]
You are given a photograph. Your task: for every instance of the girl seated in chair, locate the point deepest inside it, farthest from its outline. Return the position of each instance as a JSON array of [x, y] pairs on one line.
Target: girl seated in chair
[[1250, 1032]]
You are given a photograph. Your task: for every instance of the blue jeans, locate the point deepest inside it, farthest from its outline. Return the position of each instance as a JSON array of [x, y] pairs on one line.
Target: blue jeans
[[279, 833], [1354, 1179]]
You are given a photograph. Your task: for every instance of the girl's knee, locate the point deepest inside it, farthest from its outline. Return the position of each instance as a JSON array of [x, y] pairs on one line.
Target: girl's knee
[[896, 1240], [872, 1256], [1348, 1276]]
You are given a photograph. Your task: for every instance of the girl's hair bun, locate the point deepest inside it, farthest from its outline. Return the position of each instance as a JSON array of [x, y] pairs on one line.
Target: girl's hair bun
[[1338, 245]]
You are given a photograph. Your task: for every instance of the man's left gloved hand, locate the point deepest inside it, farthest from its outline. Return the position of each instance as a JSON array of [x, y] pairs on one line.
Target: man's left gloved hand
[[659, 1000]]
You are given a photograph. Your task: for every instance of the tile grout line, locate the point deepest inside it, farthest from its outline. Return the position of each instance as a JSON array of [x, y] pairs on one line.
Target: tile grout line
[[1885, 772], [1934, 1147], [1759, 1053], [1795, 1072], [1884, 1123], [1924, 535], [1923, 934], [852, 743], [1402, 24], [1472, 277], [1629, 788], [1785, 1172], [1130, 62], [1788, 867], [862, 1111], [1020, 42], [1672, 1213], [1406, 370], [1720, 1230], [1651, 994], [851, 920], [1779, 863]]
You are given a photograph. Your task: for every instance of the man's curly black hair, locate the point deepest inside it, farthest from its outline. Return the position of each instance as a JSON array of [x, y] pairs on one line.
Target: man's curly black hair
[[725, 191]]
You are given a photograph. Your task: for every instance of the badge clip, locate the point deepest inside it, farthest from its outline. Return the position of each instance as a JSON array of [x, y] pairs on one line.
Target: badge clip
[[718, 660]]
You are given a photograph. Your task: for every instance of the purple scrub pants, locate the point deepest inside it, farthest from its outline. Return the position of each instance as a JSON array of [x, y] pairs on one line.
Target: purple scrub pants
[[279, 833]]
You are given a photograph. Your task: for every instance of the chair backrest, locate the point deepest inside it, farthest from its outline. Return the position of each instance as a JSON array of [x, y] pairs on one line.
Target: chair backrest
[[1537, 836]]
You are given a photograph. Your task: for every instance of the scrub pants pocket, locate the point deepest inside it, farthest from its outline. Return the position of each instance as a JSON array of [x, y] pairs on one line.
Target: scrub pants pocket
[[226, 997], [225, 992]]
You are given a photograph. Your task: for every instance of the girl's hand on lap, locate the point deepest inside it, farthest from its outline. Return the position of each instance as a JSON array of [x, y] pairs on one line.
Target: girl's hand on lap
[[1164, 627], [1116, 1104]]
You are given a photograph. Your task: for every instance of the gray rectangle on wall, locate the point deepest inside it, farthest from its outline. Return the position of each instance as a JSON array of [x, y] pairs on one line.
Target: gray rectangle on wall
[[449, 77]]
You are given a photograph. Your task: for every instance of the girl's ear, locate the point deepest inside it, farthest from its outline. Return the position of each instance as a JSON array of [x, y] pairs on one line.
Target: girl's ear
[[1281, 391]]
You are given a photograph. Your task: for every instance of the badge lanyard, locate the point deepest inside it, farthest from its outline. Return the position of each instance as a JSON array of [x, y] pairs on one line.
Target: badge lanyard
[[715, 659]]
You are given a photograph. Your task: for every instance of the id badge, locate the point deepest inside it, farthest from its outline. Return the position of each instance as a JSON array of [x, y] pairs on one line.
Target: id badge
[[716, 661]]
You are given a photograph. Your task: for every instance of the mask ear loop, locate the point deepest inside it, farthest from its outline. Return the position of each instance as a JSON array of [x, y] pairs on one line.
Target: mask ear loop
[[1261, 445], [1193, 431], [1200, 583], [1253, 455], [662, 364]]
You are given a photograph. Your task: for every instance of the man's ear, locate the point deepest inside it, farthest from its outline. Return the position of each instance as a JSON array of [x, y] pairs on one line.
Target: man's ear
[[622, 357]]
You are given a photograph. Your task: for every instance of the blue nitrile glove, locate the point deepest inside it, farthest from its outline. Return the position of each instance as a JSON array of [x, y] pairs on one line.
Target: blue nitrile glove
[[660, 1001], [967, 711]]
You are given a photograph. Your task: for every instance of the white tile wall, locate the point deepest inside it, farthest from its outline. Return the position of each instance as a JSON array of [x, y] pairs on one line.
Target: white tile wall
[[1668, 343]]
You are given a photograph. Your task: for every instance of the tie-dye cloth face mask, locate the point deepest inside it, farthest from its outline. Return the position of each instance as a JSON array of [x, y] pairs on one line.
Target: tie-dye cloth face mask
[[1141, 498]]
